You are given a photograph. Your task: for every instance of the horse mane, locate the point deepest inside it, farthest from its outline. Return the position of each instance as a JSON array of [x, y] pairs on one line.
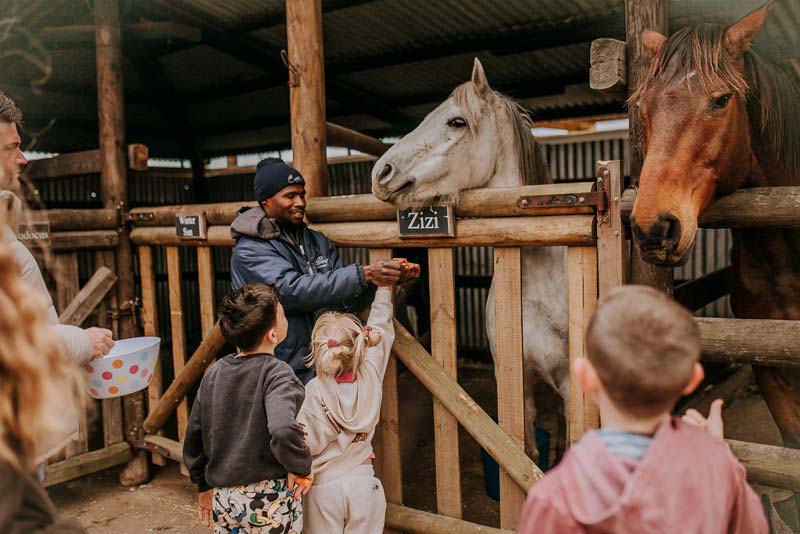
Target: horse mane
[[770, 93], [532, 164]]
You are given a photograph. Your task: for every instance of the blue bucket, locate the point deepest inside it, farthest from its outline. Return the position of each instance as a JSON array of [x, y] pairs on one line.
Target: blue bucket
[[491, 470]]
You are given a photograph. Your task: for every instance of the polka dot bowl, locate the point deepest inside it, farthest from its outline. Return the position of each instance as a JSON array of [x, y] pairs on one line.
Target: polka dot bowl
[[128, 368]]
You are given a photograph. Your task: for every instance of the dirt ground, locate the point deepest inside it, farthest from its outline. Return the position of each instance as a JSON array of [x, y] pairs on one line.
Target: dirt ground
[[166, 504]]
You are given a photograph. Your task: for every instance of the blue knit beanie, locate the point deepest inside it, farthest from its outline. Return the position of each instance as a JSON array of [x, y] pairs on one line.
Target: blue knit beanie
[[272, 175]]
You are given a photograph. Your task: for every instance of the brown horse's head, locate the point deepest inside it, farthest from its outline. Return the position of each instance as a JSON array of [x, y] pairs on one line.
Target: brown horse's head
[[696, 132]]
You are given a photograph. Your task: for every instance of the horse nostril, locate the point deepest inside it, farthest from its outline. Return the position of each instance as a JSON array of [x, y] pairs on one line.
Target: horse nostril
[[386, 173], [638, 233], [667, 229]]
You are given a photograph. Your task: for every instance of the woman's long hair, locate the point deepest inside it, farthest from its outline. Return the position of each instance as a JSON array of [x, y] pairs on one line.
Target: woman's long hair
[[339, 344], [38, 381]]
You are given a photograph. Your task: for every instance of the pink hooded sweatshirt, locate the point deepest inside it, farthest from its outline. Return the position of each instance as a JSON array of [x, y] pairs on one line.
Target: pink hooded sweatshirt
[[687, 482]]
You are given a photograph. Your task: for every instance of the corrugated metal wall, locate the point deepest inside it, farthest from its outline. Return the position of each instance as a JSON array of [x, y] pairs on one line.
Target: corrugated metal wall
[[571, 158]]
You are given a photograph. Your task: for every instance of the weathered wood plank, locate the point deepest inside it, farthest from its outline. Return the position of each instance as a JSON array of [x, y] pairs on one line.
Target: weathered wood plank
[[85, 464], [414, 521], [507, 283], [611, 245], [607, 66], [755, 341], [388, 464], [178, 332], [113, 431], [89, 297], [441, 275], [582, 281]]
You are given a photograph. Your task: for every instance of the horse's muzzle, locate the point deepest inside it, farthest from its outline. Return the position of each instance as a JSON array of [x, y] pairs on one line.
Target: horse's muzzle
[[659, 243]]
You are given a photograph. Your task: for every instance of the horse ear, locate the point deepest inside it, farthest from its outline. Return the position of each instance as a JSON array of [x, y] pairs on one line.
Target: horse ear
[[479, 77], [739, 37], [653, 41]]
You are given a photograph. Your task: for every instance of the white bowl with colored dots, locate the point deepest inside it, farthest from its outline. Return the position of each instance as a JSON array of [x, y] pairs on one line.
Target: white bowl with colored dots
[[128, 368]]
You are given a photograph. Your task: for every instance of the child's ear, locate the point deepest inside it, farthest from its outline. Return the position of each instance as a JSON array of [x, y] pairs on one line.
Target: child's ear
[[586, 376], [272, 336], [698, 374]]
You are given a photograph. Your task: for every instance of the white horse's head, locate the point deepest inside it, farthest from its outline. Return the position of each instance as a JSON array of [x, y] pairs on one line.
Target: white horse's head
[[476, 138]]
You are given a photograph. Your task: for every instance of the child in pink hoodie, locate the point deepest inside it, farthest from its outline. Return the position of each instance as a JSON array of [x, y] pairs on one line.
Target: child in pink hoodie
[[644, 471]]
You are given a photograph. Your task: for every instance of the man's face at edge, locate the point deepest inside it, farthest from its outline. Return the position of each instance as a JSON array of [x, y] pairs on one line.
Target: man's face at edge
[[11, 158], [287, 205]]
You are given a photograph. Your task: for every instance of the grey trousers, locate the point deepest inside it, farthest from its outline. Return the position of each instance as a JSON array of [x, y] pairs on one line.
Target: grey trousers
[[352, 503]]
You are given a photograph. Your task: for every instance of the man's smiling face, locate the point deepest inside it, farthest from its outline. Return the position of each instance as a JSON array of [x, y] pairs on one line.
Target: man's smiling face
[[11, 158], [287, 205]]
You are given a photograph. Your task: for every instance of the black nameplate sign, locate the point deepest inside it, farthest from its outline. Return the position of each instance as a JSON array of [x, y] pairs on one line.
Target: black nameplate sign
[[191, 226], [34, 232], [431, 221]]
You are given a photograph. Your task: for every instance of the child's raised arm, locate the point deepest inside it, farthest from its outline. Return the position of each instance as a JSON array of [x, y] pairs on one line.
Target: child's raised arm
[[380, 319]]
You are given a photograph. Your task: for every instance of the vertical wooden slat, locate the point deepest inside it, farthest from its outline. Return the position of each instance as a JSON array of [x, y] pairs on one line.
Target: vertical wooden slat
[[113, 431], [205, 275], [443, 347], [508, 370], [610, 231], [177, 329], [150, 327], [67, 287], [582, 281], [387, 435]]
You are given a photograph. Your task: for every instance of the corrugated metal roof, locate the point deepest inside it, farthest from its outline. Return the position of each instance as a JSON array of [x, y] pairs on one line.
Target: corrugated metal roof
[[388, 62]]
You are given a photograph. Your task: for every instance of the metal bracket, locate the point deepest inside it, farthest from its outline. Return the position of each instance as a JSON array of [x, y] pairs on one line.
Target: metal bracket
[[594, 198], [130, 307]]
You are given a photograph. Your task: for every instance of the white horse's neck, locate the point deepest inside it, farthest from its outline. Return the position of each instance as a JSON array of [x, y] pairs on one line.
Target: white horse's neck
[[507, 157]]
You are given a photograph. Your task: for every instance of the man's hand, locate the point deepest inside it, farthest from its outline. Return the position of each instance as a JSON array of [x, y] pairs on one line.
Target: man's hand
[[713, 424], [384, 273], [299, 486], [204, 511], [101, 341], [408, 270]]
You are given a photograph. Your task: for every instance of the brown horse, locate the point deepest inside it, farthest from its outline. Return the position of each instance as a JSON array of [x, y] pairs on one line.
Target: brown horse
[[717, 117]]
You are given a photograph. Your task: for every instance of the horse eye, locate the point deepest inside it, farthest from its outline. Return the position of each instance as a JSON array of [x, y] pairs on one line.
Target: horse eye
[[721, 101], [457, 122]]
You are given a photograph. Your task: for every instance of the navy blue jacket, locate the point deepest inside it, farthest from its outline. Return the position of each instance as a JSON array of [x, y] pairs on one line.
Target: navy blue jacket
[[310, 278]]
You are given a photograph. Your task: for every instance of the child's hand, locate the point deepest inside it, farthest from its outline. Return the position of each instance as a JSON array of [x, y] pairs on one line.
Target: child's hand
[[205, 514], [713, 424], [408, 270], [299, 486]]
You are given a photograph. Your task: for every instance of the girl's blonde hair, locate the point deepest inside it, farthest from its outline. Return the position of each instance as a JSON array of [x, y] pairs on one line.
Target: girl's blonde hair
[[38, 381], [339, 344]]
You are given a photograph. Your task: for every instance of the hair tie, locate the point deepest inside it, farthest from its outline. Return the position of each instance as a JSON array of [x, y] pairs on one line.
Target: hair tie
[[367, 329], [332, 343]]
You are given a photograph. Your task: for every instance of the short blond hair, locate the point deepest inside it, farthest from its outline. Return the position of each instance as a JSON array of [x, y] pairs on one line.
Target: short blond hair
[[9, 112], [643, 346]]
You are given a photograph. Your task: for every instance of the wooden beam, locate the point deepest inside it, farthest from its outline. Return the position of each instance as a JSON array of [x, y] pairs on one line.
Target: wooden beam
[[507, 284], [413, 521], [114, 194], [441, 275], [639, 16], [611, 244], [475, 421], [607, 66], [347, 208], [307, 93], [767, 465], [92, 239], [86, 464], [84, 162], [569, 230], [88, 297], [341, 136], [177, 330], [185, 379], [388, 461], [165, 447], [113, 425], [695, 294], [757, 207], [276, 17], [70, 219], [766, 342]]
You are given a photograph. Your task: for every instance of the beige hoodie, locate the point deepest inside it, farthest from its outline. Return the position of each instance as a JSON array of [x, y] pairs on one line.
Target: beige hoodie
[[354, 407]]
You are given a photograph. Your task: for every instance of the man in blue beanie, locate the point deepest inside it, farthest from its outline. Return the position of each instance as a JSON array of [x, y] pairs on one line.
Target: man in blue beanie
[[275, 247]]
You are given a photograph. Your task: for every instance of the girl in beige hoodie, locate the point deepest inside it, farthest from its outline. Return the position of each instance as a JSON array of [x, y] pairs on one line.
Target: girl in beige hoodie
[[340, 412]]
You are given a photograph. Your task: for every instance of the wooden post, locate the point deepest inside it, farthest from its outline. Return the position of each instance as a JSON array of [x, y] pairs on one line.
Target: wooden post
[[387, 442], [307, 92], [641, 15], [582, 282], [205, 275], [113, 431], [89, 297], [177, 329], [150, 327], [113, 192], [443, 347], [508, 371], [611, 243]]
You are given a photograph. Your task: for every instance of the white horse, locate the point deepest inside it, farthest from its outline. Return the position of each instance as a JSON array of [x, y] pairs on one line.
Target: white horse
[[481, 138]]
